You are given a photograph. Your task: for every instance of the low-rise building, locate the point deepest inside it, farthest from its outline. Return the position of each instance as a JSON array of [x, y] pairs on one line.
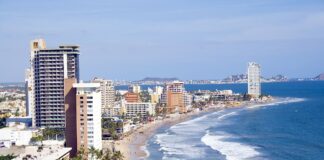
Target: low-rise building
[[17, 135], [132, 97], [135, 109], [11, 121], [45, 152]]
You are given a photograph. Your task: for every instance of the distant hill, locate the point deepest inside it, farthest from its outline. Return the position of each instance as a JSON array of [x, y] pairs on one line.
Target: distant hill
[[159, 79], [320, 77]]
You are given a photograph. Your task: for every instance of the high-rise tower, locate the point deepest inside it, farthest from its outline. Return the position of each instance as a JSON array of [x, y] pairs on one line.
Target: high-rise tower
[[107, 95], [45, 87], [254, 79]]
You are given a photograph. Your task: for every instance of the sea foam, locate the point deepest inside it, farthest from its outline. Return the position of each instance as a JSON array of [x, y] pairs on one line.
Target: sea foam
[[232, 150], [182, 141], [278, 102]]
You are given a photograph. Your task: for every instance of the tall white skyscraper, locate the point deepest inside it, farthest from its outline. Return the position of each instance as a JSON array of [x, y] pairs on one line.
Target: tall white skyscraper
[[254, 79]]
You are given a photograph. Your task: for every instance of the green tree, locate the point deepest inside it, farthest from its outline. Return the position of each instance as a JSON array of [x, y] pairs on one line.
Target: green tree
[[117, 156], [7, 157], [99, 154], [81, 155], [37, 139], [92, 152], [17, 112], [107, 155]]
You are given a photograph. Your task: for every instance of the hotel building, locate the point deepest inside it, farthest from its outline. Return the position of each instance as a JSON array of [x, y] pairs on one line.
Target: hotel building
[[45, 82], [174, 97], [135, 109], [254, 79], [107, 95], [83, 118]]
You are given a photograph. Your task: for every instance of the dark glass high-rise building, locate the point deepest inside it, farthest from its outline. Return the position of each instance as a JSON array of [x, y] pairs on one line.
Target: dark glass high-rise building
[[49, 68]]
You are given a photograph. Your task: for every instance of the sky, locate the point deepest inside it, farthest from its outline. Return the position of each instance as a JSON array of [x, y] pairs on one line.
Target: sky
[[187, 39]]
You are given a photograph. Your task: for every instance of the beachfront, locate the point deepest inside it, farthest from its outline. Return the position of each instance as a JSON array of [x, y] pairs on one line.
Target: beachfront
[[133, 144]]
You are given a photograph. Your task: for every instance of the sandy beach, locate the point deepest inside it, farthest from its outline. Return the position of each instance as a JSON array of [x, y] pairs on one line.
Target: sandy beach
[[132, 145]]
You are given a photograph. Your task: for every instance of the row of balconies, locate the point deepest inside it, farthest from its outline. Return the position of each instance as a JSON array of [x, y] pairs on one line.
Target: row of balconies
[[48, 85]]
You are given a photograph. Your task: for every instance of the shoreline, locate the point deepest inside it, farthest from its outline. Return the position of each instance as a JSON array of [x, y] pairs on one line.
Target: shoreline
[[133, 146]]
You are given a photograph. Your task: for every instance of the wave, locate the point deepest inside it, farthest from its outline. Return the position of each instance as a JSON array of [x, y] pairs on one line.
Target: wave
[[144, 148], [232, 150], [278, 102], [227, 115], [189, 139]]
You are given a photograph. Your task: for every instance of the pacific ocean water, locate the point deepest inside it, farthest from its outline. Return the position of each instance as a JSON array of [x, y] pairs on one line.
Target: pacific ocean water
[[290, 129]]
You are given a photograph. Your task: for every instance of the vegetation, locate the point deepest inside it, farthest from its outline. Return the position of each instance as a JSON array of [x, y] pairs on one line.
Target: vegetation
[[161, 109], [93, 154], [2, 122], [145, 96], [112, 127], [108, 155], [50, 133], [37, 139], [17, 112], [7, 157], [11, 98], [247, 97], [81, 155]]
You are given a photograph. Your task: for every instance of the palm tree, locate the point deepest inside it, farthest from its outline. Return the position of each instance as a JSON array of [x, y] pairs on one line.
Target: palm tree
[[107, 155], [81, 155], [99, 154], [117, 156], [92, 152], [37, 139], [8, 157]]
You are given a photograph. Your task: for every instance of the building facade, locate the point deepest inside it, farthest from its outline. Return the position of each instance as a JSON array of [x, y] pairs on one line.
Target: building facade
[[131, 97], [134, 88], [107, 95], [174, 97], [84, 118], [254, 79], [49, 68], [88, 105], [143, 109]]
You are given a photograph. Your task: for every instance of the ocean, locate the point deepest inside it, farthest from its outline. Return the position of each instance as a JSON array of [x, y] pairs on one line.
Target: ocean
[[290, 129]]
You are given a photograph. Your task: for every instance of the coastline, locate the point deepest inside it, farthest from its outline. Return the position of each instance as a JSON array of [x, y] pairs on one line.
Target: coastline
[[133, 146]]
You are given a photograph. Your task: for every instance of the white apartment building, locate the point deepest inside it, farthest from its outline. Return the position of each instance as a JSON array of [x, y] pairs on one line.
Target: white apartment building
[[107, 95], [188, 98], [134, 109], [88, 106], [17, 135], [254, 79], [158, 90], [135, 88]]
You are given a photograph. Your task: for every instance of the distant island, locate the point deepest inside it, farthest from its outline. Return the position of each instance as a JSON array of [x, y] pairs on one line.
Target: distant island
[[238, 78], [320, 77]]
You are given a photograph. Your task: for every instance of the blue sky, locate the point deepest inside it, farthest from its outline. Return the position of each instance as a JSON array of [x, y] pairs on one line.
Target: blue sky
[[188, 39]]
